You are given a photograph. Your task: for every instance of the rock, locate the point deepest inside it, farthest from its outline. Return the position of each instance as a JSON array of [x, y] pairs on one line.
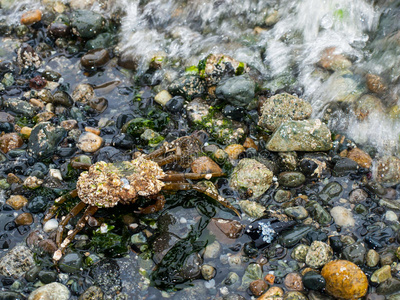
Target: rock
[[387, 170], [47, 276], [58, 29], [205, 165], [342, 216], [50, 225], [367, 105], [257, 287], [360, 157], [288, 161], [175, 104], [162, 97], [20, 107], [212, 250], [27, 57], [376, 84], [319, 254], [314, 281], [106, 275], [231, 229], [208, 272], [344, 280], [188, 86], [249, 143], [292, 236], [92, 293], [252, 272], [31, 17], [390, 286], [331, 190], [283, 107], [9, 295], [95, 58], [381, 274], [51, 291], [357, 196], [355, 253], [71, 263], [16, 261], [89, 142], [83, 93], [87, 24], [6, 117], [251, 176], [26, 132], [273, 293], [234, 150], [44, 139], [24, 219], [332, 60], [297, 212], [62, 98], [293, 282], [103, 40], [294, 296], [318, 212], [17, 201], [299, 253], [252, 208], [238, 90], [282, 196], [372, 258], [307, 135], [10, 141], [291, 179]]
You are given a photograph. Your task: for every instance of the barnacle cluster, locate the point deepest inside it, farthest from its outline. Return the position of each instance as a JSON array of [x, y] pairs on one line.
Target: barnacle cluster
[[107, 184]]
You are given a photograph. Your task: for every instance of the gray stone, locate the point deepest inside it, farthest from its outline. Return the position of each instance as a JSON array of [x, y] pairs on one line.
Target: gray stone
[[86, 23], [238, 90], [297, 212], [253, 272], [251, 175], [318, 213], [381, 274], [20, 107], [44, 139], [291, 179], [372, 258], [307, 135], [283, 107], [355, 253], [17, 261], [51, 291], [387, 170], [188, 86], [70, 263], [252, 208]]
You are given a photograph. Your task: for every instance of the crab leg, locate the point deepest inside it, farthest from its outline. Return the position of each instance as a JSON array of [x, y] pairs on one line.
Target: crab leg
[[192, 176], [159, 205], [57, 203], [201, 189], [90, 211], [76, 210]]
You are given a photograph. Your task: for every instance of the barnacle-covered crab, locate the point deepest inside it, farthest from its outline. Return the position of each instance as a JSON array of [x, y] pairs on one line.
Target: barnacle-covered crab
[[107, 184]]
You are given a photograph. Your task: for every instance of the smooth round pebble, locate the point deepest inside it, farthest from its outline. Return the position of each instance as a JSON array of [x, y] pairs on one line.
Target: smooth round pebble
[[343, 217], [89, 142], [50, 225], [51, 291]]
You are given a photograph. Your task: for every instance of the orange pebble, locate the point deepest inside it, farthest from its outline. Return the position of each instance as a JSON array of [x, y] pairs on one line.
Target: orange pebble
[[31, 17], [96, 131], [270, 278]]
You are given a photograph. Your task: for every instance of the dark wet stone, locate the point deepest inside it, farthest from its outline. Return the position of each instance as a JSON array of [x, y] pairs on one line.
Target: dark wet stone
[[123, 141], [51, 75], [237, 90], [318, 213], [378, 237], [336, 243], [282, 196], [314, 281], [95, 58], [32, 274], [70, 263], [330, 191], [192, 267], [175, 104], [235, 113], [106, 275], [57, 29], [297, 212], [47, 276], [8, 295], [86, 23], [111, 154], [355, 253], [345, 166], [44, 139], [291, 179], [98, 104], [20, 107], [103, 40], [62, 98], [293, 236], [6, 127], [189, 87], [390, 286]]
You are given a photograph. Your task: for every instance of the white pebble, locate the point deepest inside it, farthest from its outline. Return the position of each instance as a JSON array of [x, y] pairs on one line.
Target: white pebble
[[391, 216], [342, 216], [209, 284], [55, 173], [50, 225], [182, 220]]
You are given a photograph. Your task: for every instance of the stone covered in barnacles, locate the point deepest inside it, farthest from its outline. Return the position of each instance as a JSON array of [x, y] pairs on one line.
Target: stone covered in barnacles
[[107, 184]]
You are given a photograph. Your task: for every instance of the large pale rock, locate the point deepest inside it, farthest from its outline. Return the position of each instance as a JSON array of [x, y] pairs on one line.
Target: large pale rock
[[51, 291], [17, 261]]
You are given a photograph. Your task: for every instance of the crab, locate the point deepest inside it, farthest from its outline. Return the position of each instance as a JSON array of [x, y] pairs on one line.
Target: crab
[[105, 185]]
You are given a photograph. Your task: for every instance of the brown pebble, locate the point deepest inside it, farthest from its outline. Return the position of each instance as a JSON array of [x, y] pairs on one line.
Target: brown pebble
[[333, 61], [293, 282], [12, 178], [205, 165], [69, 124], [270, 279], [234, 150], [24, 219], [59, 29], [10, 141], [26, 132], [6, 117], [375, 83], [48, 245], [274, 292], [257, 287], [44, 116], [360, 157], [31, 17], [89, 142], [36, 102], [95, 58], [17, 201], [232, 229], [33, 239], [249, 143], [96, 131]]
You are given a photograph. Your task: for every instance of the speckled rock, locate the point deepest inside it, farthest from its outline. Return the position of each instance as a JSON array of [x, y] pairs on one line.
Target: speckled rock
[[92, 293], [319, 254], [308, 135], [344, 280], [257, 287], [17, 261], [375, 83], [51, 291], [283, 107], [252, 176], [44, 139], [20, 107], [299, 253], [10, 141], [17, 201], [333, 60], [208, 272], [188, 86], [360, 157], [205, 165], [234, 150], [387, 170], [273, 293], [294, 296], [252, 208], [343, 217], [293, 282], [83, 93], [238, 90], [89, 142]]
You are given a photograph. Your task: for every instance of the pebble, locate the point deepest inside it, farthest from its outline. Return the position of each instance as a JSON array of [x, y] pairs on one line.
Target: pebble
[[272, 293], [205, 165], [375, 83], [17, 201], [24, 219], [299, 253], [257, 287], [51, 291], [208, 272], [31, 17], [96, 131], [344, 280], [343, 217], [293, 282], [319, 254], [231, 229], [69, 124], [372, 258], [92, 293], [50, 225], [282, 196], [358, 196], [25, 132], [10, 141], [391, 216], [17, 261], [89, 142], [291, 179], [212, 250], [83, 93], [162, 97], [332, 60], [95, 58], [297, 212], [314, 281], [32, 182], [234, 150], [360, 157], [249, 143], [387, 170], [252, 208], [381, 274]]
